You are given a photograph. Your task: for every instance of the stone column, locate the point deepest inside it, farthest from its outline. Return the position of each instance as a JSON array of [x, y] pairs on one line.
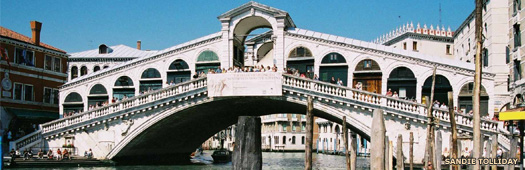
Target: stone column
[[247, 152]]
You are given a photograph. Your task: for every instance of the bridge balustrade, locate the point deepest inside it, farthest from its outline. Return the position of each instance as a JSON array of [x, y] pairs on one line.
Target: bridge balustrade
[[380, 101], [124, 104]]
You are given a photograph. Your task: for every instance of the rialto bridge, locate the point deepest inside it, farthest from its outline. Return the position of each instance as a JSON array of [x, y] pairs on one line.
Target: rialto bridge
[[169, 121]]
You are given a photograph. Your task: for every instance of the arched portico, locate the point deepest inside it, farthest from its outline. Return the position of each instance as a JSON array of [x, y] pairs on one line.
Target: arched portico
[[368, 73]]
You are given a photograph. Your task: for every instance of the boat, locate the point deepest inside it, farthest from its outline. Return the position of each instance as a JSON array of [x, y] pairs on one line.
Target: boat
[[198, 152], [221, 156]]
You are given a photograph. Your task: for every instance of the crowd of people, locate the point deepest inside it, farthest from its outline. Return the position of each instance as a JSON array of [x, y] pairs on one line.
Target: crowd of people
[[28, 154]]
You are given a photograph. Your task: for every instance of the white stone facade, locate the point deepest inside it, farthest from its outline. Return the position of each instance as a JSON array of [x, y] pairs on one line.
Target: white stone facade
[[283, 132]]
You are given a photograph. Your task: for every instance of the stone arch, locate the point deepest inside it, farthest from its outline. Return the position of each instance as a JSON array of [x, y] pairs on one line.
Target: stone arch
[[241, 28], [123, 88], [333, 65], [83, 70], [98, 95], [178, 71], [402, 80], [74, 72], [326, 111], [73, 103], [96, 68], [442, 87], [150, 80], [264, 54], [301, 58], [465, 99], [368, 73]]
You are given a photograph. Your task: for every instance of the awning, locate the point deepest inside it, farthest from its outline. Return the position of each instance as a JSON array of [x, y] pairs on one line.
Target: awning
[[513, 114], [32, 114]]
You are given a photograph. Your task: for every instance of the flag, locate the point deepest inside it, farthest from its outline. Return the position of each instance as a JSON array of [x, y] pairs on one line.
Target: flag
[[3, 53]]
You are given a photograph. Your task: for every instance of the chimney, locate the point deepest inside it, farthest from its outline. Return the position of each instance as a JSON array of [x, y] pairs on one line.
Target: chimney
[[35, 30], [138, 44]]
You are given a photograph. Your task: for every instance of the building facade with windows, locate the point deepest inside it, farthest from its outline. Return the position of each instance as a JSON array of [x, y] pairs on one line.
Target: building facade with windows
[[285, 132], [331, 139], [515, 51], [31, 74], [494, 28]]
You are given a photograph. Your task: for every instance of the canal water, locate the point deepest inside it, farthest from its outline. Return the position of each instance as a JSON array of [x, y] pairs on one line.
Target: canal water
[[271, 160]]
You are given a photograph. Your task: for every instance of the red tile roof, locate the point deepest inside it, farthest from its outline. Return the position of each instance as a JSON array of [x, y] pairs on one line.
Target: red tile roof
[[4, 32]]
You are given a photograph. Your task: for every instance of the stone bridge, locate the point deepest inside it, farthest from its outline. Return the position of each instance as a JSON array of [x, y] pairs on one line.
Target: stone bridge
[[169, 121], [167, 124]]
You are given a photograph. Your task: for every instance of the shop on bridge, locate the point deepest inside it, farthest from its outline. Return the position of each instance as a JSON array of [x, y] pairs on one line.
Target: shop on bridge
[[206, 60], [402, 81], [123, 88], [179, 72], [465, 99], [301, 59], [97, 95], [442, 87], [150, 80], [334, 66], [73, 103], [368, 73]]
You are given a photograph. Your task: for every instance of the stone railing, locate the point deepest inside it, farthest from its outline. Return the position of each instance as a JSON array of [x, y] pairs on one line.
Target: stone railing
[[125, 104], [26, 140], [381, 101]]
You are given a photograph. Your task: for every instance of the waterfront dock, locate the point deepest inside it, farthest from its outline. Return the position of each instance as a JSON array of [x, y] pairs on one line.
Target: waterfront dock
[[74, 162]]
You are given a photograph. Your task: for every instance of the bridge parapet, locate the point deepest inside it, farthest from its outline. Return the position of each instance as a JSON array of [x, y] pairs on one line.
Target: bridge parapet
[[26, 141], [395, 106], [61, 124]]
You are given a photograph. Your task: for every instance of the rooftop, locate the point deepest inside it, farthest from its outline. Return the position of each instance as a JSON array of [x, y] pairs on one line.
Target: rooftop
[[7, 33], [118, 51]]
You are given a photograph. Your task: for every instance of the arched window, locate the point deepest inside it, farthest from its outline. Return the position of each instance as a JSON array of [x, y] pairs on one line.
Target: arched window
[[333, 67], [98, 95], [96, 68], [207, 56], [73, 103], [151, 80], [83, 70], [441, 89], [207, 60], [465, 99], [369, 75], [333, 58], [123, 88], [300, 52], [74, 72], [178, 72], [150, 73], [403, 82]]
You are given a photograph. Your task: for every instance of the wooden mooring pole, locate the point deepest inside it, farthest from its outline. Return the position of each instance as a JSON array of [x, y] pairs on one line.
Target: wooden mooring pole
[[430, 127], [377, 152], [345, 131], [309, 133], [411, 156], [452, 117], [247, 153]]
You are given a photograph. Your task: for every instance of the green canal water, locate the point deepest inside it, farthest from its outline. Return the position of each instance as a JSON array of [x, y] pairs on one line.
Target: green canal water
[[271, 160]]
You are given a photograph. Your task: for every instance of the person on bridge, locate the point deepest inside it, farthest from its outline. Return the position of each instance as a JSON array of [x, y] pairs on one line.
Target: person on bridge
[[316, 78], [395, 95], [50, 154], [389, 92]]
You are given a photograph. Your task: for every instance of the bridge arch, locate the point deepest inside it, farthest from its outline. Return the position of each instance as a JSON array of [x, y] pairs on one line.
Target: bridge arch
[[213, 109], [264, 54], [242, 27], [442, 87]]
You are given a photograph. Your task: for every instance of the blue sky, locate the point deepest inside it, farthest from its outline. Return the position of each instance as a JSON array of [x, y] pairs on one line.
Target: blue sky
[[79, 25]]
